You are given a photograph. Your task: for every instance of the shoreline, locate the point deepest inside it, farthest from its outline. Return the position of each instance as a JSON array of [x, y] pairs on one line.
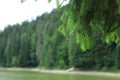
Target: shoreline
[[88, 73]]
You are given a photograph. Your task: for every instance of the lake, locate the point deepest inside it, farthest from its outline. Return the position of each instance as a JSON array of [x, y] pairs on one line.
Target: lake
[[30, 75]]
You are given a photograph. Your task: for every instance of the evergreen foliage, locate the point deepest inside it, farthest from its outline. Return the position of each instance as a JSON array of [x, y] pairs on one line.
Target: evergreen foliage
[[82, 16], [39, 43]]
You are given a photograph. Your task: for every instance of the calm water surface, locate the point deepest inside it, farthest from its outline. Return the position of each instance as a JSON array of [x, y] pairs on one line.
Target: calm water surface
[[29, 75]]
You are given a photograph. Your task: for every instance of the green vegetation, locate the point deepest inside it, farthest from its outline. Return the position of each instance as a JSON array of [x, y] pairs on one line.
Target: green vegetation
[[82, 16], [40, 42], [27, 75]]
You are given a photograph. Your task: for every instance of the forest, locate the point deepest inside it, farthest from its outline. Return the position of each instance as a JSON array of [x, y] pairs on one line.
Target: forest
[[40, 43]]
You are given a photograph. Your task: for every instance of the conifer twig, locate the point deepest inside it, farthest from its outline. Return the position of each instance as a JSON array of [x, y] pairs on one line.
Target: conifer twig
[[61, 3]]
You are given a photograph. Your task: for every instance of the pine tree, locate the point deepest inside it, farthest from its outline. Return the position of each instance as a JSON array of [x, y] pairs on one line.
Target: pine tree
[[81, 16]]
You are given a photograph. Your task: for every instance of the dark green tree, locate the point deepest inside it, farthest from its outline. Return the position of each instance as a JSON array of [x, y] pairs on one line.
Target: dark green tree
[[81, 16]]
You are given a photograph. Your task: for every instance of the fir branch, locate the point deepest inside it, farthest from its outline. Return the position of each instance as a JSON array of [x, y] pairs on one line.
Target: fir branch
[[61, 3]]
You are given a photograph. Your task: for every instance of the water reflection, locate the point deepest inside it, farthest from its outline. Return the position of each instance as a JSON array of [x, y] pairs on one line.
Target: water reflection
[[29, 75]]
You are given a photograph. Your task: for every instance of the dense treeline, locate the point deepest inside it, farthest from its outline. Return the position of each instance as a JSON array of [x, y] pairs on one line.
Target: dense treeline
[[39, 43]]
